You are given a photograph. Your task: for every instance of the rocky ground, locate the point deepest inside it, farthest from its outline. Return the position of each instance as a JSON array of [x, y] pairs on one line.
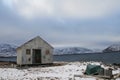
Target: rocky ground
[[59, 71]]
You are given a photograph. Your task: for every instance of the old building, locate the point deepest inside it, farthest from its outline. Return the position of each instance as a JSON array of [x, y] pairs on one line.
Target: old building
[[35, 51]]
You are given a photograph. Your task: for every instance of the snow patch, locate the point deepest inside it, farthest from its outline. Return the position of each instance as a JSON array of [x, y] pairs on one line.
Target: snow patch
[[65, 72]]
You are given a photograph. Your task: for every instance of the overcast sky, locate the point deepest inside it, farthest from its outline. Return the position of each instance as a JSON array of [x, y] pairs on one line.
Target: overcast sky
[[84, 23]]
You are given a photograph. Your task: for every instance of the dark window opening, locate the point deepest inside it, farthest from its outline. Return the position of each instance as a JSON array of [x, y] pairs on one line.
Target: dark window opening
[[47, 52], [28, 51], [29, 59]]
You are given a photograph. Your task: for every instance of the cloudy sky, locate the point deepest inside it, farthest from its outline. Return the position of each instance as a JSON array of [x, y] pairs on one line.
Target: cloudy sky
[[84, 23]]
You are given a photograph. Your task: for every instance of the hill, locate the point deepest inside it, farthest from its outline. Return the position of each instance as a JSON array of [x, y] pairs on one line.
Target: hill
[[7, 50], [113, 48], [71, 50]]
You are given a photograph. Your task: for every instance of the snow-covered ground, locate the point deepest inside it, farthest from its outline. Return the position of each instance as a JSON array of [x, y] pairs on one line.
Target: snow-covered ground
[[64, 72]]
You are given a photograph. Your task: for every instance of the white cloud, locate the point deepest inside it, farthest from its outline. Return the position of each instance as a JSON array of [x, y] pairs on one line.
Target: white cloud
[[30, 8], [63, 8]]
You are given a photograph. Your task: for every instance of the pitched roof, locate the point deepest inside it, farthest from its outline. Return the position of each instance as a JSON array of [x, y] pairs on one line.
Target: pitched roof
[[33, 40]]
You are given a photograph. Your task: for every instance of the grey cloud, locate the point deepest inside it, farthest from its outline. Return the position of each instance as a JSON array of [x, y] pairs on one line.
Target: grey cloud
[[59, 30]]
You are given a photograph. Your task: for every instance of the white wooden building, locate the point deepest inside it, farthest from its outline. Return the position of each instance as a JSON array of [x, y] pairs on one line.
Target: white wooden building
[[35, 51]]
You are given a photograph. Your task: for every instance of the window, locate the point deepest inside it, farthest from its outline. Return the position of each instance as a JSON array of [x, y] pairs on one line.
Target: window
[[28, 51], [29, 59], [47, 52]]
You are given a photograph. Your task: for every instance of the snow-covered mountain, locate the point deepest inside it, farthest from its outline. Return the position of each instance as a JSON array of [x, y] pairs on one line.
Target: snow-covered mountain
[[7, 50], [113, 48], [71, 50]]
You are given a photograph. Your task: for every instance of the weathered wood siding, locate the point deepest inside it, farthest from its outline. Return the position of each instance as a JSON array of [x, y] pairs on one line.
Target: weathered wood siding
[[37, 43]]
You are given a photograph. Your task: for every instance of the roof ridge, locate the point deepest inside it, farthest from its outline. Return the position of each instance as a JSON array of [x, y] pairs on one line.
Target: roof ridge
[[34, 39]]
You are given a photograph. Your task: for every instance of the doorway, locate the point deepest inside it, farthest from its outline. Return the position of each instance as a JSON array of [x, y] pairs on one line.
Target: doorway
[[37, 56]]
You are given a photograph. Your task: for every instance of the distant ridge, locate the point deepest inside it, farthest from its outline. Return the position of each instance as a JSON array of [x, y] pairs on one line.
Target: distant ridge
[[7, 50], [113, 48], [71, 50]]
